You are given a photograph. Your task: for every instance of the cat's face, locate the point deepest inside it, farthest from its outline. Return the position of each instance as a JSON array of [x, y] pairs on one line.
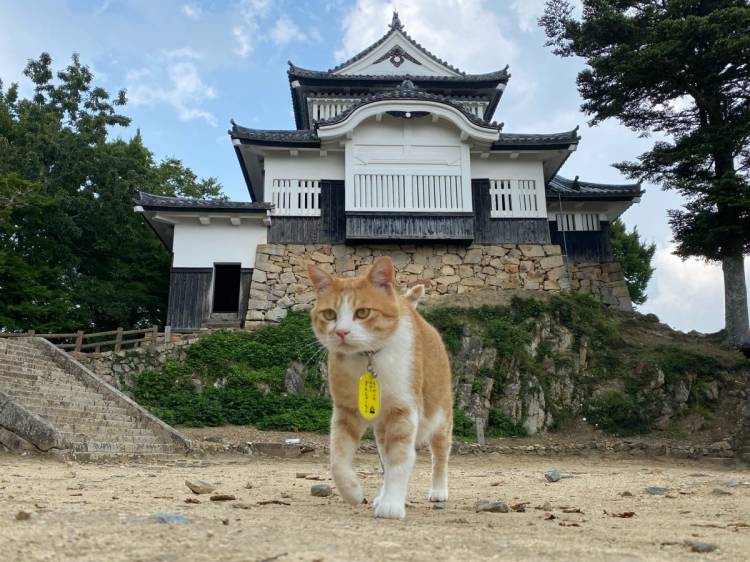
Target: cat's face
[[355, 314]]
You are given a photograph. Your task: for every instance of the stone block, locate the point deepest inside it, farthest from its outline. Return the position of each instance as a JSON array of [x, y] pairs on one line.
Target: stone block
[[448, 280], [447, 270], [259, 276], [297, 249], [305, 298], [271, 249], [267, 266], [451, 259], [531, 250], [276, 314], [472, 282], [257, 304], [495, 251], [552, 249], [551, 262], [415, 268], [288, 278], [473, 256], [555, 273], [321, 258], [550, 285], [340, 250]]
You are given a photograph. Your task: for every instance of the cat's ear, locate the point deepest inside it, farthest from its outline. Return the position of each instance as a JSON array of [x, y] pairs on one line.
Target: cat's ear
[[414, 295], [320, 279], [381, 273]]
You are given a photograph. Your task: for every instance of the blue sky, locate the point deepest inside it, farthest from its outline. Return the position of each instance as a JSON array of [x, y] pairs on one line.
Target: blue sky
[[189, 66]]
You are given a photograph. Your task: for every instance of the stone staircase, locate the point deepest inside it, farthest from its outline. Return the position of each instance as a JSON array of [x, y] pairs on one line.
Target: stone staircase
[[51, 403]]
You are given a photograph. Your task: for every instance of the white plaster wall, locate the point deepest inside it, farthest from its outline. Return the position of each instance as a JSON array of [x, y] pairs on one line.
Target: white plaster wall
[[307, 165], [197, 245], [502, 167]]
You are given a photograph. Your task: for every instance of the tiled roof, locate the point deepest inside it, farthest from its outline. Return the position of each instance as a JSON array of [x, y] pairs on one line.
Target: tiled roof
[[407, 91], [149, 201], [497, 76], [396, 26], [274, 135], [510, 140], [583, 189]]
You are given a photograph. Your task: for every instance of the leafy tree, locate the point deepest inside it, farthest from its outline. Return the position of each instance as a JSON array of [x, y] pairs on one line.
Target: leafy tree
[[73, 255], [678, 68], [634, 257]]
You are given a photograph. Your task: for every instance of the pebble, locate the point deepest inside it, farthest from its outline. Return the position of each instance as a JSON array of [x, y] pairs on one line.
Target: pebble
[[242, 505], [657, 490], [301, 475], [320, 490], [492, 506], [192, 500], [171, 518], [546, 506], [701, 546], [732, 483], [23, 516], [199, 486], [626, 494], [720, 492], [222, 498], [553, 475], [440, 505]]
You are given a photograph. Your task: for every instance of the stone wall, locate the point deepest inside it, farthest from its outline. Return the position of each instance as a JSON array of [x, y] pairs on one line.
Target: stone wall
[[119, 368], [280, 281]]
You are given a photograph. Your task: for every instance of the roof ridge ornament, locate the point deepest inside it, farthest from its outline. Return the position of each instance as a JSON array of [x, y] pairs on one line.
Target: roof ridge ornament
[[407, 85], [396, 24]]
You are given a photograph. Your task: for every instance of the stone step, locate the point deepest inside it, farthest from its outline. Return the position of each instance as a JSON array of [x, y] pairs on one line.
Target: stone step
[[51, 413], [52, 393], [81, 406], [75, 418], [55, 385], [111, 436], [105, 447]]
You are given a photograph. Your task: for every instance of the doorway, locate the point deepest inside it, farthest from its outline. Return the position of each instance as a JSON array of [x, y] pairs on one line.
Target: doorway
[[226, 287]]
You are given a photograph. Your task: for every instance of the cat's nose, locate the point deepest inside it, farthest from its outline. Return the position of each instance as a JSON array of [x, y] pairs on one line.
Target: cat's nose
[[342, 333]]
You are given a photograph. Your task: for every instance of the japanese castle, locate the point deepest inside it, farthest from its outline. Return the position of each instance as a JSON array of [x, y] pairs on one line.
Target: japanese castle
[[395, 152]]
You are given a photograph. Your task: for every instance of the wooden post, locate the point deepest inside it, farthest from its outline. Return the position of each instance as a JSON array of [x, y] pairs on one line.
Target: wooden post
[[480, 430], [167, 334], [31, 333], [79, 340], [154, 334], [118, 339]]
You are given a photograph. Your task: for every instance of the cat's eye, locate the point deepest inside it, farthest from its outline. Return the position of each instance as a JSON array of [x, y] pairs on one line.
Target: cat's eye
[[329, 314], [362, 313]]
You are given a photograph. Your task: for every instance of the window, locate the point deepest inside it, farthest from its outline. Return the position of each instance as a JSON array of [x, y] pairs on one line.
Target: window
[[578, 222], [515, 198]]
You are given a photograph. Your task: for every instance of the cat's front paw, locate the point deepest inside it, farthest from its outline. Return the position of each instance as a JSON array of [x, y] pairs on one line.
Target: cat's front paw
[[352, 495], [438, 494], [388, 509]]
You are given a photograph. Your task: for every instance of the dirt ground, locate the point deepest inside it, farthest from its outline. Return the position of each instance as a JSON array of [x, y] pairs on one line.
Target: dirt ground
[[108, 511]]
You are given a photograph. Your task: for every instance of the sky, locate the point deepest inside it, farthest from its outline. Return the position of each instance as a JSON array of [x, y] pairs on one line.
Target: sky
[[190, 66]]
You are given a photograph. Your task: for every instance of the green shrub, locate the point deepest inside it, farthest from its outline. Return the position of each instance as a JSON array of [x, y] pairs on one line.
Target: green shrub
[[621, 414], [500, 425], [463, 426], [450, 323]]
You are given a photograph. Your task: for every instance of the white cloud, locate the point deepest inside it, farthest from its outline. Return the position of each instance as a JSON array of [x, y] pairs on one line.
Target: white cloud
[[285, 30], [192, 10], [466, 33], [688, 294], [528, 12], [182, 87], [250, 12], [183, 53]]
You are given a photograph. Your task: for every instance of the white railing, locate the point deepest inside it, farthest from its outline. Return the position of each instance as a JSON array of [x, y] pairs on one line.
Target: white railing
[[300, 198], [326, 108], [516, 198], [475, 107], [407, 193], [578, 222]]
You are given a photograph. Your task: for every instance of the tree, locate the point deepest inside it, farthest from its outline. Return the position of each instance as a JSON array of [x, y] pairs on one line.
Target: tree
[[73, 254], [678, 68], [634, 257]]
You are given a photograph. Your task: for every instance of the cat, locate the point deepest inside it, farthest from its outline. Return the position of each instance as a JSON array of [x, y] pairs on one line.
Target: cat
[[364, 316]]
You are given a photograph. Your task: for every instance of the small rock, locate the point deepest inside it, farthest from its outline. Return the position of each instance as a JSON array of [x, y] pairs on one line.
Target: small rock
[[222, 498], [199, 486], [732, 483], [657, 490], [171, 518], [23, 516], [214, 439], [720, 492], [286, 495], [321, 490], [626, 494], [242, 505], [302, 475], [249, 486], [192, 500], [492, 506], [440, 505], [547, 506], [701, 546], [225, 521], [552, 475]]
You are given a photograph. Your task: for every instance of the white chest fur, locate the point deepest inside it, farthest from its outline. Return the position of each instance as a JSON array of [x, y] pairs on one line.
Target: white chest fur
[[392, 364]]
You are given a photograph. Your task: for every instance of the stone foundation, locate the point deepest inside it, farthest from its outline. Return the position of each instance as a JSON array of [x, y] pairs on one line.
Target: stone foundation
[[280, 283]]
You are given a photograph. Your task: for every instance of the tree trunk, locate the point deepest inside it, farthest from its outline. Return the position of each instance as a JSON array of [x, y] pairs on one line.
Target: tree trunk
[[735, 300]]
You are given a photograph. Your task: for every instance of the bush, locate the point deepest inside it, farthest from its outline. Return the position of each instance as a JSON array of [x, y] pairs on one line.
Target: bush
[[621, 414], [500, 425]]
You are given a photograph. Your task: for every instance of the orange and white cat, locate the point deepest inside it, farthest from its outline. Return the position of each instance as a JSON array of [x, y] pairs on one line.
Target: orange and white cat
[[360, 317]]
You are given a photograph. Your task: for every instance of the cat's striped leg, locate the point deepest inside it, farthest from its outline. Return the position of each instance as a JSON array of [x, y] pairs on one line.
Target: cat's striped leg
[[400, 427], [440, 448], [346, 431]]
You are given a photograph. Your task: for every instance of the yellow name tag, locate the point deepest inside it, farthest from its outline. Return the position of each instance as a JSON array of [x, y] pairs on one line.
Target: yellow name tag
[[369, 396]]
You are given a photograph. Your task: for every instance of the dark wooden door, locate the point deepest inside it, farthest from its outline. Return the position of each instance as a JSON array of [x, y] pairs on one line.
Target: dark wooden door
[[226, 287]]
